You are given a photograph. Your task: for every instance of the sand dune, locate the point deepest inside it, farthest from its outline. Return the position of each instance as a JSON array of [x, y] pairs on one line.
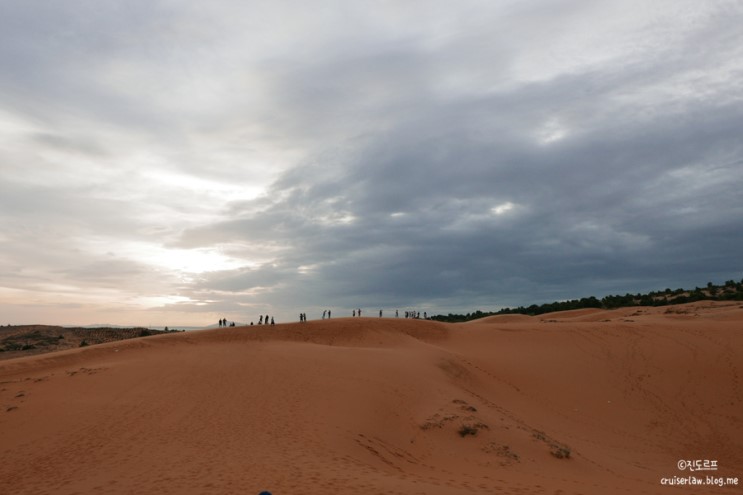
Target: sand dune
[[589, 402]]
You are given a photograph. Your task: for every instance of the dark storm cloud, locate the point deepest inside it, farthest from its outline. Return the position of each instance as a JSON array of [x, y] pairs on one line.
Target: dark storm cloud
[[619, 203], [257, 155]]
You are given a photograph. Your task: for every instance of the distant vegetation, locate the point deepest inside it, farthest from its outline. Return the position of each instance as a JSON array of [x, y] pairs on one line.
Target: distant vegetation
[[730, 291], [20, 340]]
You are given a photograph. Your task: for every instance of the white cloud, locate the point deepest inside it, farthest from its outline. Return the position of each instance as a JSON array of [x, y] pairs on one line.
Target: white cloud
[[502, 208], [551, 131]]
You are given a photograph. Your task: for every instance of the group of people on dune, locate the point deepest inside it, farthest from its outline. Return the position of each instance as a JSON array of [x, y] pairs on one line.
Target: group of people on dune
[[263, 320], [266, 319]]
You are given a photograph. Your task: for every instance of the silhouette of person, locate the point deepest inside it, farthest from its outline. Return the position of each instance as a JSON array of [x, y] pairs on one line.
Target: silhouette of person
[[354, 313], [272, 320], [328, 314], [380, 313], [260, 320]]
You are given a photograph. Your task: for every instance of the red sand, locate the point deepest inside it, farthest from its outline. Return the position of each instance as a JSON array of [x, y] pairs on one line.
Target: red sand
[[374, 406]]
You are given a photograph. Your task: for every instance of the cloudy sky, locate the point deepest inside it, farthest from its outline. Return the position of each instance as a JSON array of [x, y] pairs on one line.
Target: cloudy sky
[[175, 162]]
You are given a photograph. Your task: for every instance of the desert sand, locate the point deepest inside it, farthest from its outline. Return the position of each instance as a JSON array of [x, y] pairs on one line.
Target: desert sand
[[580, 402]]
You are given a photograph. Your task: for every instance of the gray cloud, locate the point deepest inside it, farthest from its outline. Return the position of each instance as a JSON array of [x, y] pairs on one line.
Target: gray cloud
[[257, 158]]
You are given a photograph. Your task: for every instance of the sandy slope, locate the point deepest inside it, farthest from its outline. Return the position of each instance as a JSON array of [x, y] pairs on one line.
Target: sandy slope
[[370, 405]]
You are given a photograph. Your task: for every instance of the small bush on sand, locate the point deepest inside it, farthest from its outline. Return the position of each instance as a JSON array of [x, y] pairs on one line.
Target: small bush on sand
[[465, 430], [561, 452]]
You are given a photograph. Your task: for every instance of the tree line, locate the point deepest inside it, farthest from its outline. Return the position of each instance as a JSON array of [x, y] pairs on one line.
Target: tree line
[[729, 291]]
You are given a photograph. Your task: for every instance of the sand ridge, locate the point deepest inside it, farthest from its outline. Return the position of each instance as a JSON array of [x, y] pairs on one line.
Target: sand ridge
[[590, 402]]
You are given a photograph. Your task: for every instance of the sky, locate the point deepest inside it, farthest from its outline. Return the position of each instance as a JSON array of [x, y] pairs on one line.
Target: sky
[[178, 162]]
